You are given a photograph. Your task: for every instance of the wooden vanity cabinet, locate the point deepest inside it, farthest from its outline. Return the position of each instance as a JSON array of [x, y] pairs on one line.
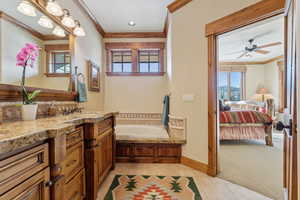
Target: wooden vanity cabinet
[[99, 159], [26, 175], [73, 166]]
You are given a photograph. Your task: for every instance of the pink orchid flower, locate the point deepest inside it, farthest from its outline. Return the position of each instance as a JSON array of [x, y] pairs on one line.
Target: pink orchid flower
[[29, 53]]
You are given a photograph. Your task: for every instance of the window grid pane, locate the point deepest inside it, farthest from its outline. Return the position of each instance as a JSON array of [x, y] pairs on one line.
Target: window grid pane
[[231, 86], [60, 62], [121, 61], [149, 61]]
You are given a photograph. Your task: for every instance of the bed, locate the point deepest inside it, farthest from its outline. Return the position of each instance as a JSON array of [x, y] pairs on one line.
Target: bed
[[246, 125]]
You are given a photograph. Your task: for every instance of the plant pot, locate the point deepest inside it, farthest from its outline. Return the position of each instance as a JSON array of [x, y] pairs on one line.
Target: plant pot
[[29, 112]]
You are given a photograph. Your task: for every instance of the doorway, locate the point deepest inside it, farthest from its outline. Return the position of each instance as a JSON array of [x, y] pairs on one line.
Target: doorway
[[260, 11], [250, 103]]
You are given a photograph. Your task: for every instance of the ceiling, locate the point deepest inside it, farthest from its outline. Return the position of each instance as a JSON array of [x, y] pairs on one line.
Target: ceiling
[[269, 31], [114, 15]]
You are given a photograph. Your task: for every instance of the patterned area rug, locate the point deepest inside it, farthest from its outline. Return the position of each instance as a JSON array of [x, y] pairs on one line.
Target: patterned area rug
[[133, 187]]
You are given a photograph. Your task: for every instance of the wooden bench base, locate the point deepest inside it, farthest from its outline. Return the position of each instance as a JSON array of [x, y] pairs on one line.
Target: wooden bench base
[[148, 152]]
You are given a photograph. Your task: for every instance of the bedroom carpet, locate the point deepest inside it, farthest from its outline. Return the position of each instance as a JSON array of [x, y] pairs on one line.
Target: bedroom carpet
[[254, 165]]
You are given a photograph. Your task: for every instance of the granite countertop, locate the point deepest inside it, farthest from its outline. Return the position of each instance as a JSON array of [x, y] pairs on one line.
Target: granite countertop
[[15, 135]]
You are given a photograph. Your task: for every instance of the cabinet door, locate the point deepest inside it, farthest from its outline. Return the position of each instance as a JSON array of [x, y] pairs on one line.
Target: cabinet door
[[32, 189]]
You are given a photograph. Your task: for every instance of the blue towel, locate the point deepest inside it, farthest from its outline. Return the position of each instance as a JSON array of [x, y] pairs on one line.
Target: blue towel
[[81, 89], [166, 110]]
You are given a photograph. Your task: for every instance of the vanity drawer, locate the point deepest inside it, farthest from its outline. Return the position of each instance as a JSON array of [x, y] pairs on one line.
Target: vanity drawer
[[104, 125], [75, 137], [74, 161], [16, 169], [75, 188]]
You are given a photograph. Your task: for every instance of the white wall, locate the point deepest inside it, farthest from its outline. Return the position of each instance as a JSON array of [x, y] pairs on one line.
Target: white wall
[[87, 48], [190, 67], [13, 39], [255, 77], [272, 80], [135, 93]]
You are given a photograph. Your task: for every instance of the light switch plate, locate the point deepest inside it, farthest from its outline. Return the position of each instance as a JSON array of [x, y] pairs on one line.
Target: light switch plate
[[188, 97]]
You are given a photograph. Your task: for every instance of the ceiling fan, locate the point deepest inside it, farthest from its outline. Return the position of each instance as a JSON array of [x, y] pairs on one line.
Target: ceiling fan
[[252, 47]]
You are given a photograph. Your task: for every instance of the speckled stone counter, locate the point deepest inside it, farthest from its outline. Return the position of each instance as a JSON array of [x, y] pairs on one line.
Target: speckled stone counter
[[19, 134]]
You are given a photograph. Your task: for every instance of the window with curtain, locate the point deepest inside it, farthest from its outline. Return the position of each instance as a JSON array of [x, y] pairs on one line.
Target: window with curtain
[[231, 85], [121, 61], [149, 61]]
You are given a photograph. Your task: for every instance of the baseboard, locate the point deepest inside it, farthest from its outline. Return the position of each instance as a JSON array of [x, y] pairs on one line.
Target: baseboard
[[194, 164]]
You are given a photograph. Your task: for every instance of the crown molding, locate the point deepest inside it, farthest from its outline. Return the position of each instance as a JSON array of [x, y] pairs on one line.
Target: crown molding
[[176, 5], [166, 26], [27, 28], [135, 35], [254, 62], [82, 5]]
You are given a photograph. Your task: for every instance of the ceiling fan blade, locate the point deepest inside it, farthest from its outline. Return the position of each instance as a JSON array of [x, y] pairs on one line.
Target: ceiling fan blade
[[270, 45], [262, 51], [243, 54]]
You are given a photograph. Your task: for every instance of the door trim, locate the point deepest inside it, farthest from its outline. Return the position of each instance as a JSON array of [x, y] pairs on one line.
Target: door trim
[[249, 15]]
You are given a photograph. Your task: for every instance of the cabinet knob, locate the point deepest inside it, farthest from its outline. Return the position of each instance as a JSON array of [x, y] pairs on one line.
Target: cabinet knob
[[49, 184]]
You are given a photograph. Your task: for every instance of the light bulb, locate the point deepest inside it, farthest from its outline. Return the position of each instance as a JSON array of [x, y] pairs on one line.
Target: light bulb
[[26, 8], [78, 31], [58, 31], [54, 8], [67, 20], [45, 22]]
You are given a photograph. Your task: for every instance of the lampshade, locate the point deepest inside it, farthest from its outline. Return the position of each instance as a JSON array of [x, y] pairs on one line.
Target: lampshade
[[54, 8], [67, 20], [45, 22], [79, 31], [262, 91], [58, 31], [26, 8]]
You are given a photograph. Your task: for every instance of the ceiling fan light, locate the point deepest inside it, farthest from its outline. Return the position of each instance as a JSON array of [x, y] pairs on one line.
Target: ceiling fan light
[[45, 22], [54, 8], [26, 8], [58, 31]]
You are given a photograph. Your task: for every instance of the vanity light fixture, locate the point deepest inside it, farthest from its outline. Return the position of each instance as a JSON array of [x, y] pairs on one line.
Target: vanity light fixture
[[45, 22], [131, 23], [67, 20], [78, 31], [58, 31], [26, 8], [54, 8]]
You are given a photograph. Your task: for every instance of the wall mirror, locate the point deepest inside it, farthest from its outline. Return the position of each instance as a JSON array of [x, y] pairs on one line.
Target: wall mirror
[[20, 25]]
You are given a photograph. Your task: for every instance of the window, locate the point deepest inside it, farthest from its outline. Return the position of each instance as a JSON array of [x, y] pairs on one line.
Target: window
[[58, 59], [149, 61], [135, 59], [121, 61], [60, 62], [231, 86]]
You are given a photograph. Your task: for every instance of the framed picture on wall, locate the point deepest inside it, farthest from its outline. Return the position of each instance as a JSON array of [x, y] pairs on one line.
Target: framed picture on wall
[[93, 76]]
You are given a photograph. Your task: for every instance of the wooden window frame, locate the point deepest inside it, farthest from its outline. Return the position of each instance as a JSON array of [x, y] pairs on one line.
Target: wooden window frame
[[49, 49], [134, 47], [242, 86]]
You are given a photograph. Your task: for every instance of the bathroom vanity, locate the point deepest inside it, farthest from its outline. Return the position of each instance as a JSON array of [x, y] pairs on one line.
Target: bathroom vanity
[[57, 158]]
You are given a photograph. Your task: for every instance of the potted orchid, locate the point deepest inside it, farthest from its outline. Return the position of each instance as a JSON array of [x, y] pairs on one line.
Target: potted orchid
[[26, 57]]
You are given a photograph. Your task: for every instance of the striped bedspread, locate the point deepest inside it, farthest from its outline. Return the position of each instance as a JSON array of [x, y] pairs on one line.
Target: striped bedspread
[[244, 117]]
